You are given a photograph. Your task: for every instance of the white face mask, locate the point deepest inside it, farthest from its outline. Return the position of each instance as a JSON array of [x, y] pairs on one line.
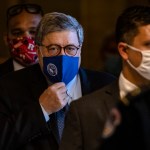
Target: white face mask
[[144, 68]]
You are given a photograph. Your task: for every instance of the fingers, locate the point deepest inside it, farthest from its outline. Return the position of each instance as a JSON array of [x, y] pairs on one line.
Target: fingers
[[58, 87], [54, 97]]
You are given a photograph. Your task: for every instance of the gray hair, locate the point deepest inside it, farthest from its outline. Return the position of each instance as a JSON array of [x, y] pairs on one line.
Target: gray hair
[[55, 21]]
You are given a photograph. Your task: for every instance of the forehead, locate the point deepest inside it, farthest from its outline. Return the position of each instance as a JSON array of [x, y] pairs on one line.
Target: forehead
[[61, 37], [143, 33], [24, 19], [144, 30]]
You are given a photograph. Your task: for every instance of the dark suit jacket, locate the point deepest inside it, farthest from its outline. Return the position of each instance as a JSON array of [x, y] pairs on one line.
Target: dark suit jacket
[[6, 67], [22, 124], [133, 131], [86, 118]]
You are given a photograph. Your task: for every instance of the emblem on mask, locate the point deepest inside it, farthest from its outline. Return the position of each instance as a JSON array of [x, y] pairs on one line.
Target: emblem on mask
[[52, 69]]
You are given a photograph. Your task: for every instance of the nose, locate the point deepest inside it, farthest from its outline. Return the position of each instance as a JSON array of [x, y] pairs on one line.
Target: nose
[[62, 51], [27, 34]]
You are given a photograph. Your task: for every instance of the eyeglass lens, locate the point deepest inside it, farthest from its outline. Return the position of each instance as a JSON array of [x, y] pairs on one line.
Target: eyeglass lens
[[54, 50]]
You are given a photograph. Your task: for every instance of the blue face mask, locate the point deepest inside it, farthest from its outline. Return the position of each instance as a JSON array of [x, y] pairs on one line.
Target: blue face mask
[[60, 68]]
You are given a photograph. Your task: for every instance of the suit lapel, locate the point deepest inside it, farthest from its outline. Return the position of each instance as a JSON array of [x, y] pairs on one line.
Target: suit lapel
[[38, 82], [114, 89], [85, 85], [111, 94], [38, 85]]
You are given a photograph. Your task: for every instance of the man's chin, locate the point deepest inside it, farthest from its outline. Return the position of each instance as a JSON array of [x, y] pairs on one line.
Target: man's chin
[[25, 64]]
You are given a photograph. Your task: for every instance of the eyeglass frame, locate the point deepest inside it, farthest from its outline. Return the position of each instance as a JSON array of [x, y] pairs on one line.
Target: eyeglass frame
[[64, 48], [23, 7]]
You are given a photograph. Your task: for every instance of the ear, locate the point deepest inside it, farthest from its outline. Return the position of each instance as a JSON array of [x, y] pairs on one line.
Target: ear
[[112, 122], [5, 39], [79, 50], [115, 116], [122, 48], [39, 54], [37, 50]]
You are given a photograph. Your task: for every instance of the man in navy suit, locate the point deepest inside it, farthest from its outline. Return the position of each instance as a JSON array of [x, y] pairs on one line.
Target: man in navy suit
[[22, 21], [86, 117], [34, 100]]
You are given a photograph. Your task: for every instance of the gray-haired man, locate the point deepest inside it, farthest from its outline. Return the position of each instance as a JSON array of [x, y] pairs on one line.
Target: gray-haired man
[[33, 100]]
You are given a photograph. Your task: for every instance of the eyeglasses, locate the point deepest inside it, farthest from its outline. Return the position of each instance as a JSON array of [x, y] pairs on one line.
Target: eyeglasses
[[54, 50], [30, 8]]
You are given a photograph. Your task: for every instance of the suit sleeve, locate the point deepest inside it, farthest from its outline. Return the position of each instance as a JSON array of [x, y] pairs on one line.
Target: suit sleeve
[[72, 139], [19, 126]]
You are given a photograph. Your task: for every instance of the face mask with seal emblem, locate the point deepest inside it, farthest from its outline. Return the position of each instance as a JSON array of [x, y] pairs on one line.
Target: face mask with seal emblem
[[60, 68], [23, 50]]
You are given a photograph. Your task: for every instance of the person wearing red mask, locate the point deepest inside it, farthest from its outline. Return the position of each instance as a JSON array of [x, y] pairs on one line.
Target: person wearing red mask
[[22, 21]]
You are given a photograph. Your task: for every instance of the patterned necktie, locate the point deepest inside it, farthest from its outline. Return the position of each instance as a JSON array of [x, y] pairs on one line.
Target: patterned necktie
[[60, 119]]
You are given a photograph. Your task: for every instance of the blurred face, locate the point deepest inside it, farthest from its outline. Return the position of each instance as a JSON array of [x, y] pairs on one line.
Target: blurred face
[[24, 24], [20, 34], [62, 39]]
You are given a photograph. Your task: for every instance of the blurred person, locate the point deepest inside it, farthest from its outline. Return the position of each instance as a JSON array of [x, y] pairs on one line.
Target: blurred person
[[87, 116], [111, 60], [34, 100], [22, 21], [128, 125]]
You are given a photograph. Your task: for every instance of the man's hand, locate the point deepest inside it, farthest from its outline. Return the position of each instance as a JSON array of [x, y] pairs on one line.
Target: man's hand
[[54, 97]]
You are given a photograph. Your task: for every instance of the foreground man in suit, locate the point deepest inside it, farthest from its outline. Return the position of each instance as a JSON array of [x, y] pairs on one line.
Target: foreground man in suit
[[33, 100], [22, 21], [128, 125], [86, 118]]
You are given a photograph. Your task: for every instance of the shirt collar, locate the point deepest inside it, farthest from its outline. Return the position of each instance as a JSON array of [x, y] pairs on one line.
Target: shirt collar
[[125, 86], [17, 66], [74, 89]]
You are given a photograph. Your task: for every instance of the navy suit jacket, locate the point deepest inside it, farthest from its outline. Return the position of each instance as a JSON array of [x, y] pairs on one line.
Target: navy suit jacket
[[22, 123], [86, 117]]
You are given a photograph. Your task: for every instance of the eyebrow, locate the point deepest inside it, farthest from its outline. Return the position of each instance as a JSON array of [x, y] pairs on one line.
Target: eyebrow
[[18, 29]]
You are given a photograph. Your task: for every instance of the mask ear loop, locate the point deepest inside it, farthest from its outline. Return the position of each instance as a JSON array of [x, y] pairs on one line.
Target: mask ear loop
[[134, 49]]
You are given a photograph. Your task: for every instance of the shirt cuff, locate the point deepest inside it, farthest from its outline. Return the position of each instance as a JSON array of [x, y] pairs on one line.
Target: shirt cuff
[[46, 116]]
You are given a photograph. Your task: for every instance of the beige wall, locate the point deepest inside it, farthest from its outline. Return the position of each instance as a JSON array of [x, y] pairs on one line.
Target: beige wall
[[97, 17]]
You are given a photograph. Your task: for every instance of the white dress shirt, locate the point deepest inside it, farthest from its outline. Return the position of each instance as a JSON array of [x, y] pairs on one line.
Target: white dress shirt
[[125, 86], [17, 66], [74, 89]]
